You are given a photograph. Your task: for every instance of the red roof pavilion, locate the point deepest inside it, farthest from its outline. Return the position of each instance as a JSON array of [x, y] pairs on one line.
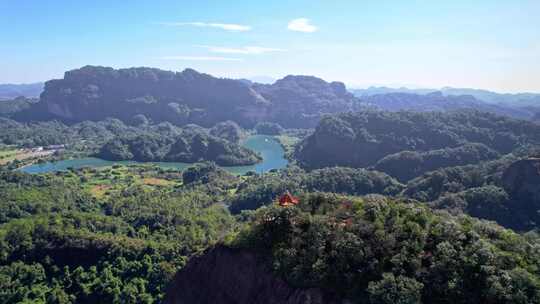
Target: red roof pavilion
[[287, 200]]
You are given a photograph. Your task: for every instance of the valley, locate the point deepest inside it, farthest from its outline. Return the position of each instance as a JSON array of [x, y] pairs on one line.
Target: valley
[[146, 186]]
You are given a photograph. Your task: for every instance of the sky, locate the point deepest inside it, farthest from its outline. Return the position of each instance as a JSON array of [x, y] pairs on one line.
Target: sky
[[486, 44]]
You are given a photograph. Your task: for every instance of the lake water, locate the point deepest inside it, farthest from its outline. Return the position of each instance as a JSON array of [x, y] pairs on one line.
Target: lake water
[[270, 150]]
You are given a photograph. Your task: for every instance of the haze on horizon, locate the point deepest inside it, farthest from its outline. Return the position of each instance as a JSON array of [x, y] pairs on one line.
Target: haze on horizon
[[491, 45]]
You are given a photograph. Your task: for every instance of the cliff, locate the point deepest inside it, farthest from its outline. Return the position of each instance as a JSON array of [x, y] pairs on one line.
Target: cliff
[[235, 276], [95, 93]]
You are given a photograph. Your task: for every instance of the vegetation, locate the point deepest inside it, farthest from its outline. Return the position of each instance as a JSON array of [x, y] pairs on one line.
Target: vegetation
[[259, 190], [406, 165], [113, 140], [186, 146], [363, 138], [386, 198], [10, 107], [375, 250], [61, 242]]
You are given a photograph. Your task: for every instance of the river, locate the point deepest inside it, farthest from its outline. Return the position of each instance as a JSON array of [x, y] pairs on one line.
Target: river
[[270, 150]]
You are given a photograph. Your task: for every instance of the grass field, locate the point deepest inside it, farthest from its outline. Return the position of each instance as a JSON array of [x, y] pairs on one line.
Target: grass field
[[101, 183]]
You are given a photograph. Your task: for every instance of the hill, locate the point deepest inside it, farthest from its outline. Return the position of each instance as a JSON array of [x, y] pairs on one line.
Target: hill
[[332, 249], [363, 138]]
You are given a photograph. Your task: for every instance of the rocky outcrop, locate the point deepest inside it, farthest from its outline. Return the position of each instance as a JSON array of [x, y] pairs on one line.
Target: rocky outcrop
[[299, 101], [224, 275], [522, 180], [95, 93]]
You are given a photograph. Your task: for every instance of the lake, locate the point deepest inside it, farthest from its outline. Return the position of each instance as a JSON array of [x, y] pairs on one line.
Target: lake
[[271, 151]]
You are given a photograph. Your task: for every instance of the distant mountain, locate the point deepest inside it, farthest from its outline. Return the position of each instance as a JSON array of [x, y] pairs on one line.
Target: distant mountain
[[519, 99], [437, 101], [95, 93], [10, 91], [386, 90], [262, 79]]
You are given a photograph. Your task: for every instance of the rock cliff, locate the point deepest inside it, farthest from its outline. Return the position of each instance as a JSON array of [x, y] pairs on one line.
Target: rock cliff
[[233, 276], [95, 93]]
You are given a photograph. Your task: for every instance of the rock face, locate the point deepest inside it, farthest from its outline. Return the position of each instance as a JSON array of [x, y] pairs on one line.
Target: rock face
[[299, 101], [233, 276], [522, 180], [95, 93]]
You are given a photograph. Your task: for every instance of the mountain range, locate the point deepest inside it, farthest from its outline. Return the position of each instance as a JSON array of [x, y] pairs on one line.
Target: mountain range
[[95, 93], [522, 99], [30, 90]]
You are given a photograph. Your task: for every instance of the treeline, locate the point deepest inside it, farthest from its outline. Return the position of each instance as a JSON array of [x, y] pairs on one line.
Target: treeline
[[259, 190]]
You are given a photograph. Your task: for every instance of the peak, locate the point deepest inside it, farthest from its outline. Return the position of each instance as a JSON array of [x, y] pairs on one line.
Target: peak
[[190, 71], [296, 78]]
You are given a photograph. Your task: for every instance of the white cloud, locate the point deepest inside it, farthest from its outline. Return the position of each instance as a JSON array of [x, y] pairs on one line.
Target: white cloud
[[200, 58], [301, 25], [224, 26], [246, 50]]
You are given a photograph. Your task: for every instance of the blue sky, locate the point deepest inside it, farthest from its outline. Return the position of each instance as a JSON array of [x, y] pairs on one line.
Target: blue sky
[[483, 44]]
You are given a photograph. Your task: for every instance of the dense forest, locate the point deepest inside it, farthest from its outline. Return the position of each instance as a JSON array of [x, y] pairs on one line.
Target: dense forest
[[112, 236]]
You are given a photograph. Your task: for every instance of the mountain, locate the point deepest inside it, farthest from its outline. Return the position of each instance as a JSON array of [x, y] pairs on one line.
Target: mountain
[[437, 101], [94, 93], [299, 101], [10, 91], [484, 95], [386, 90], [518, 99], [521, 99]]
